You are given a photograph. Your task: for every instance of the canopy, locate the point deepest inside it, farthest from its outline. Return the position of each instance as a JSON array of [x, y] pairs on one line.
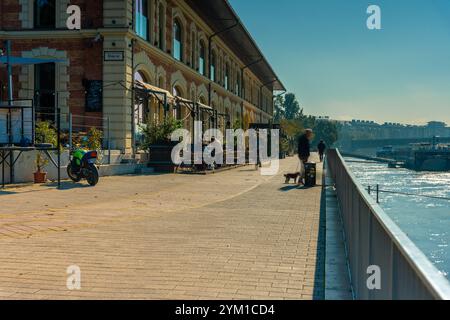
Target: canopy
[[17, 61], [189, 102], [155, 90]]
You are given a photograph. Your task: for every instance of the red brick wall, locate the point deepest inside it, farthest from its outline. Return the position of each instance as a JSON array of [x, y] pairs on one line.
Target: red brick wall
[[9, 15], [91, 14], [85, 63]]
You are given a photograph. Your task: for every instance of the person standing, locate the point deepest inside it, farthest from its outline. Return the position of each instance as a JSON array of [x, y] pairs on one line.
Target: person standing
[[321, 147], [304, 150]]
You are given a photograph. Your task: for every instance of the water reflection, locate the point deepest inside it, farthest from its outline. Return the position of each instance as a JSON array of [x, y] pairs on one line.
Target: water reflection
[[426, 221]]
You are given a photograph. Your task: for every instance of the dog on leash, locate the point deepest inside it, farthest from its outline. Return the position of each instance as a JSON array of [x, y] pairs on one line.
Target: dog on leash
[[294, 176]]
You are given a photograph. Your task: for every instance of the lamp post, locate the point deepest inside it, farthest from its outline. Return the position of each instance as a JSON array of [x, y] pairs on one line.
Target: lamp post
[[7, 44]]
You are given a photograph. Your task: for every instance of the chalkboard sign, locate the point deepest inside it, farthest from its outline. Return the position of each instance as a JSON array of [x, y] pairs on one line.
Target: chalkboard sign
[[94, 95]]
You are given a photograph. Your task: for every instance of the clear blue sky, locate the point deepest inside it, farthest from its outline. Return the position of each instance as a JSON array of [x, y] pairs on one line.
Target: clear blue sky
[[324, 53]]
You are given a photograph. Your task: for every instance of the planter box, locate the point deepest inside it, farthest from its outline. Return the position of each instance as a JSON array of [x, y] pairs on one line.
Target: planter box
[[160, 158]]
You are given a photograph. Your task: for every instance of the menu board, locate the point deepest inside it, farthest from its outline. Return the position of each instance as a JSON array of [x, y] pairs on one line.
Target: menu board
[[94, 95]]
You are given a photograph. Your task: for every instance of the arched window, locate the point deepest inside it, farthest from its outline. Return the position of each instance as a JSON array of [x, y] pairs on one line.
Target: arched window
[[193, 59], [141, 17], [176, 112], [44, 14], [161, 24], [212, 73], [201, 58], [238, 85], [227, 77], [141, 106], [177, 41]]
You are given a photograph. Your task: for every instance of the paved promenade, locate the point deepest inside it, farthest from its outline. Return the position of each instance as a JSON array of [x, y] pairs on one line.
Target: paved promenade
[[232, 235]]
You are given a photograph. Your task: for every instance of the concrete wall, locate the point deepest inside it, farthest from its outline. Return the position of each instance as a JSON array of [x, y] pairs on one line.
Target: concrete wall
[[25, 167]]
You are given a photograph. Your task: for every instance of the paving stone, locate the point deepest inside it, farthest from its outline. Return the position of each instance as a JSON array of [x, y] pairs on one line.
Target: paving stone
[[232, 235]]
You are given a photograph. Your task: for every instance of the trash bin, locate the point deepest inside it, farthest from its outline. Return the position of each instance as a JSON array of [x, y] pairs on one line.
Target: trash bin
[[310, 175]]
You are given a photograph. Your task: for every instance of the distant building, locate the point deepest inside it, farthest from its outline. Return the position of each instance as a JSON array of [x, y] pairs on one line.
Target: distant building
[[363, 129]]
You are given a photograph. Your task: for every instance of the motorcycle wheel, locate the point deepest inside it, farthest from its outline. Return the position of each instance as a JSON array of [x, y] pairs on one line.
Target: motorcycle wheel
[[92, 176], [74, 177]]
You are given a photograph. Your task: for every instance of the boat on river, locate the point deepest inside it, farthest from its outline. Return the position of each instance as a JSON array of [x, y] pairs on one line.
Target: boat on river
[[430, 157]]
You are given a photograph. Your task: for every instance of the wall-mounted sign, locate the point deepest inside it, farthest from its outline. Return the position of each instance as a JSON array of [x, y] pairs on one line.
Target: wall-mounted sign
[[94, 95], [114, 56]]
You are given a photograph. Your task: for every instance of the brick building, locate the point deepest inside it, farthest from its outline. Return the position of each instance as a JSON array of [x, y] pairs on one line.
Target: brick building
[[197, 50]]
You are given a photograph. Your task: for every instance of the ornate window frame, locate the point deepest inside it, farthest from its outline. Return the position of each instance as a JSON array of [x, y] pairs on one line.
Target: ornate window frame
[[26, 15]]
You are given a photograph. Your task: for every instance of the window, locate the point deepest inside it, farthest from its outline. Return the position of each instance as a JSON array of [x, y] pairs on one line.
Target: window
[[193, 50], [141, 17], [161, 23], [227, 77], [201, 59], [44, 90], [212, 73], [176, 111], [238, 85], [141, 106], [44, 14], [177, 41]]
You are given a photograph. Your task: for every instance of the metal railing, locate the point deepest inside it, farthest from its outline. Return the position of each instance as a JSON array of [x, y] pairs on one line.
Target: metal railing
[[373, 239]]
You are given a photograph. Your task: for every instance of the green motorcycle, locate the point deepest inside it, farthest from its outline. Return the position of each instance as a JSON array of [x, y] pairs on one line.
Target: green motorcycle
[[82, 166]]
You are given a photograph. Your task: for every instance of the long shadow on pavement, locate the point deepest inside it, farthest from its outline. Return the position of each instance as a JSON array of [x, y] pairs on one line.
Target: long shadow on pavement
[[319, 278], [67, 185], [4, 193]]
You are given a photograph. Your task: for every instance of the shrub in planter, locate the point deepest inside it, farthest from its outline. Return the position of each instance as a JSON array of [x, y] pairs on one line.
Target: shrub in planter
[[156, 141], [155, 133]]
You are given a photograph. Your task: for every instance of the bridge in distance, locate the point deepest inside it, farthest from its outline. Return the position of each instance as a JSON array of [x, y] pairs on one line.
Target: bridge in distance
[[378, 143]]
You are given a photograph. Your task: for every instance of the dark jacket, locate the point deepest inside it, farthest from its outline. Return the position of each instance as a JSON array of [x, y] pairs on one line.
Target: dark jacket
[[321, 147], [303, 147]]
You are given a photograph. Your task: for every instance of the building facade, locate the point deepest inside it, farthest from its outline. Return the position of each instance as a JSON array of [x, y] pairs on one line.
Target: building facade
[[197, 50]]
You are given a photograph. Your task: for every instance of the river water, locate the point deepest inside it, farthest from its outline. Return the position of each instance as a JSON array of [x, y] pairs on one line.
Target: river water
[[426, 221]]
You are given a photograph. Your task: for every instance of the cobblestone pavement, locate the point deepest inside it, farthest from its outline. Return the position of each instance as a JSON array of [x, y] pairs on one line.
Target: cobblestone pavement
[[232, 235]]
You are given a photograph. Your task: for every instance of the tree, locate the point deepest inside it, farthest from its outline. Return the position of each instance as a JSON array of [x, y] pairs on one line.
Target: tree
[[291, 107], [326, 131], [294, 122], [278, 109]]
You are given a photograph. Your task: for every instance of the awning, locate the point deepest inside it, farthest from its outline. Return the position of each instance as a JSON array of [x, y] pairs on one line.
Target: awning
[[18, 61], [205, 107], [190, 103], [154, 90]]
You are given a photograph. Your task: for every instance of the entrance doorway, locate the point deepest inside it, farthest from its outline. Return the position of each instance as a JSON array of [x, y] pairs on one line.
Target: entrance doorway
[[44, 91]]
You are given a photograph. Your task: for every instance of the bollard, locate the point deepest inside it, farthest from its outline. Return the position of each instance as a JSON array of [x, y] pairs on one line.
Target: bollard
[[378, 193]]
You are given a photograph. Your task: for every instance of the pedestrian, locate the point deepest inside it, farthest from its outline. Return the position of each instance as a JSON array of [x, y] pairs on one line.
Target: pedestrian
[[304, 151], [321, 147]]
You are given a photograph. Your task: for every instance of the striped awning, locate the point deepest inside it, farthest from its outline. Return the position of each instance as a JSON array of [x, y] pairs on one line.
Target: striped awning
[[18, 61], [155, 90]]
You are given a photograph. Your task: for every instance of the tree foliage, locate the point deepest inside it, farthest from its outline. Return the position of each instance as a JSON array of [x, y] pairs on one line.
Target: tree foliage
[[293, 122]]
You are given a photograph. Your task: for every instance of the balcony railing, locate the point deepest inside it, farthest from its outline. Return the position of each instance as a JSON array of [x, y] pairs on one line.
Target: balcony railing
[[373, 239]]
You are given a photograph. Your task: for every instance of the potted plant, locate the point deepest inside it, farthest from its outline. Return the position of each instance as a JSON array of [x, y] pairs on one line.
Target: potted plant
[[41, 161], [156, 141], [94, 142], [45, 135]]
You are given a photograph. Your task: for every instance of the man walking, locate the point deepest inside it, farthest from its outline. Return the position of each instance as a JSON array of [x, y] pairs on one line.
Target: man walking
[[304, 150], [321, 147]]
